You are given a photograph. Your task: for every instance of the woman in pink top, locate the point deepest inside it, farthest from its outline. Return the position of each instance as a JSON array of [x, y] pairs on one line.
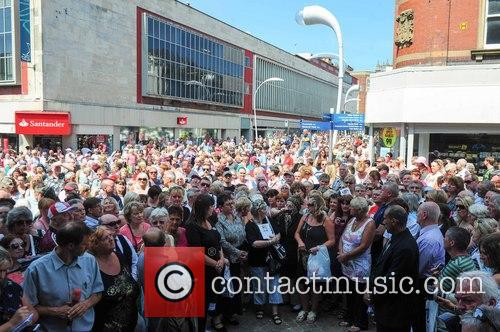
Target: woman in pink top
[[136, 225]]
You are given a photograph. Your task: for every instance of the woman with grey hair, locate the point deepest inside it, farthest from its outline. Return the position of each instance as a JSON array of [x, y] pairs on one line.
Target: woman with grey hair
[[262, 237], [130, 196], [15, 306], [242, 207], [159, 218], [355, 257], [19, 222], [315, 230]]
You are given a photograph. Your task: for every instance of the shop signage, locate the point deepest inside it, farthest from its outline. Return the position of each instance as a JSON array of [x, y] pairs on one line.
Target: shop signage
[[182, 120], [389, 136], [43, 123]]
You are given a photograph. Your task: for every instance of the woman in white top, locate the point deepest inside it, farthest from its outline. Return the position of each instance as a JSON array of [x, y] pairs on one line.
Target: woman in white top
[[355, 257]]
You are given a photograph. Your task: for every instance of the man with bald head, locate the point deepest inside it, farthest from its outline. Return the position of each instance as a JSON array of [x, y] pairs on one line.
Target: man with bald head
[[108, 190], [431, 255]]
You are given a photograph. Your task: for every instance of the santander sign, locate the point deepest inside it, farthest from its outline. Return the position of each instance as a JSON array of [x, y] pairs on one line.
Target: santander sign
[[43, 123]]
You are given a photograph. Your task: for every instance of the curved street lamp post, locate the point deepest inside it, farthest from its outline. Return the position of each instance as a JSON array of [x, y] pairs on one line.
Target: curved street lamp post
[[254, 98]]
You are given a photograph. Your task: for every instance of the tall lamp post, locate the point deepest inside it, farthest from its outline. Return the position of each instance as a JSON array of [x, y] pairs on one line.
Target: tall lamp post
[[352, 89], [254, 98], [311, 15]]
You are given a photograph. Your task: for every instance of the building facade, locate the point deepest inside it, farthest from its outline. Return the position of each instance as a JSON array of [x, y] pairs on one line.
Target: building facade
[[116, 72], [442, 97]]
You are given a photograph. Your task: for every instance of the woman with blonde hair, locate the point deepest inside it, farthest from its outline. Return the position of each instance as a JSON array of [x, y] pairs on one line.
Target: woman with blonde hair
[[331, 170], [462, 213], [361, 173], [482, 227], [437, 196], [315, 230]]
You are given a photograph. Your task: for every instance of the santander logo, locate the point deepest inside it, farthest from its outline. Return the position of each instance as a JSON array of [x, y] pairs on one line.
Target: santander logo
[[23, 123]]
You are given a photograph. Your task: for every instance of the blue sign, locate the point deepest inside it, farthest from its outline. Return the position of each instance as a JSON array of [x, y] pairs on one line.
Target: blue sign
[[346, 121], [24, 19], [327, 117], [315, 125]]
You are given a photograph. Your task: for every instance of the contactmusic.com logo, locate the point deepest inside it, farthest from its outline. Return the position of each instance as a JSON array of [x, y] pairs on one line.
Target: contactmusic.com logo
[[174, 282]]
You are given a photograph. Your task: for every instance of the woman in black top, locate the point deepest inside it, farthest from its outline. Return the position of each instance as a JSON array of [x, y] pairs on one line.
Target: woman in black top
[[200, 233], [14, 307], [315, 229], [260, 243], [118, 308], [287, 221]]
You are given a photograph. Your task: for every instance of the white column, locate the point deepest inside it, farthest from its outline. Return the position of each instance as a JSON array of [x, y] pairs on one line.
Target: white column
[[423, 144], [24, 141], [402, 142], [409, 153]]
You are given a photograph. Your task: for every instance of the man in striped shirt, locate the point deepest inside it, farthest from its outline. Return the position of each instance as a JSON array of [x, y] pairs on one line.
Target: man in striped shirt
[[456, 241]]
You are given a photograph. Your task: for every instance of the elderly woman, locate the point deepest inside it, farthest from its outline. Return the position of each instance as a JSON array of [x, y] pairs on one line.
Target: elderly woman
[[477, 211], [482, 228], [141, 185], [242, 209], [355, 257], [315, 229], [233, 241], [15, 307], [350, 183], [118, 308], [136, 224], [159, 218], [262, 236], [15, 246], [19, 222]]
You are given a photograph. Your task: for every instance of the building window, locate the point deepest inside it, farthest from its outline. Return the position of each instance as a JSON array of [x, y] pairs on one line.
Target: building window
[[6, 42], [186, 65], [248, 62], [492, 38]]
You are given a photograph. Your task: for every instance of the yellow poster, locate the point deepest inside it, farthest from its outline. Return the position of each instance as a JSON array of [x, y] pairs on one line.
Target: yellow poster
[[389, 136]]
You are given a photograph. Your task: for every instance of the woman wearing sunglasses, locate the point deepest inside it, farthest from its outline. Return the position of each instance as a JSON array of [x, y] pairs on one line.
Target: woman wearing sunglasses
[[15, 247], [19, 222]]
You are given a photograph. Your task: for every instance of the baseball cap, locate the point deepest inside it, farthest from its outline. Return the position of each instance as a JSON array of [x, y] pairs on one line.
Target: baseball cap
[[227, 173], [288, 173], [71, 186], [58, 208]]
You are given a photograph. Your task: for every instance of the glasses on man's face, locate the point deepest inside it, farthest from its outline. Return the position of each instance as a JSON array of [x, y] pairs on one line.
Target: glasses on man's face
[[414, 188], [112, 223], [17, 245], [205, 185]]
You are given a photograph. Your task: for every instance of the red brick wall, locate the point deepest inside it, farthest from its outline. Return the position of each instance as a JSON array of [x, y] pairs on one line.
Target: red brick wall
[[444, 31]]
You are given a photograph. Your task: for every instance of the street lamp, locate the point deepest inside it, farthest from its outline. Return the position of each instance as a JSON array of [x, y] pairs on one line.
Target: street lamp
[[330, 56], [254, 97], [311, 15], [352, 89]]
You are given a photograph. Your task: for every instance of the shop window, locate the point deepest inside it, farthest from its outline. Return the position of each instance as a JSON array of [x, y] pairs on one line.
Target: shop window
[[8, 58], [492, 29]]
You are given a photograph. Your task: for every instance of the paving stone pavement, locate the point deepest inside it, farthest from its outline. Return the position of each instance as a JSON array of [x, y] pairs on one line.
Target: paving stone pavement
[[325, 322]]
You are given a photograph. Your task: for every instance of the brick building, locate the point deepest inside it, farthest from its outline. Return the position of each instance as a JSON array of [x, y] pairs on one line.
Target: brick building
[[444, 91]]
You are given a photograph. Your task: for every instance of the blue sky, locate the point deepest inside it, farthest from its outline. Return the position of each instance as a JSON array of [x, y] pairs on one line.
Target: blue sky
[[367, 26]]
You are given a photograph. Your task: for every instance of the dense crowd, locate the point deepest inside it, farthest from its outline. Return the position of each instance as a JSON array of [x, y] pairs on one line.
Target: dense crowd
[[74, 225]]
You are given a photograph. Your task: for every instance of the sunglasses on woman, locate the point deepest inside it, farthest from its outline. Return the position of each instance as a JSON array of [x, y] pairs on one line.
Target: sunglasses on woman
[[18, 245]]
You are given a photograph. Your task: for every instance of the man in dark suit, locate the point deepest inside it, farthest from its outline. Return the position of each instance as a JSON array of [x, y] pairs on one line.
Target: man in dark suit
[[396, 272]]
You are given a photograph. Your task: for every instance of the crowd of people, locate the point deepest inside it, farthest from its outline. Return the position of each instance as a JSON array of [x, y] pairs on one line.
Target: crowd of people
[[74, 225]]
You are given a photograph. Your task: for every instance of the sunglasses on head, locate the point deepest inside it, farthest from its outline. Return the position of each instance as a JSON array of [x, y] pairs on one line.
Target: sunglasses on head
[[19, 245]]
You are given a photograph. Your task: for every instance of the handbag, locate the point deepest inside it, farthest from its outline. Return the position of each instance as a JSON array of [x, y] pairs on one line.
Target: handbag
[[276, 255]]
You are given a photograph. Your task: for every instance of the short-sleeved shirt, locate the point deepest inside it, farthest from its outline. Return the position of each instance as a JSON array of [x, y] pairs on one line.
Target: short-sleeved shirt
[[454, 268], [48, 281]]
